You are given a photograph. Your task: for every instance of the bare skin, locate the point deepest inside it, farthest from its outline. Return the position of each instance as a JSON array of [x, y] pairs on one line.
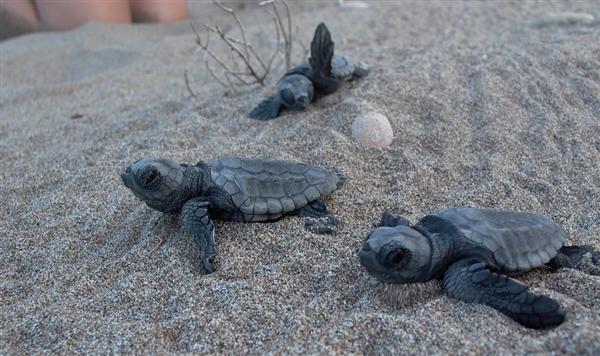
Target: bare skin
[[158, 10], [64, 14], [68, 14]]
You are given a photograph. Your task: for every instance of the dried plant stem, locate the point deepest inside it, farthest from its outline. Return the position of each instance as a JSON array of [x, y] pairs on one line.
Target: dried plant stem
[[305, 49], [254, 69], [287, 35], [187, 84]]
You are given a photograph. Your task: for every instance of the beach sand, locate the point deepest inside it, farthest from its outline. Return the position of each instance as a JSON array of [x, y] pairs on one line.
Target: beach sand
[[488, 110]]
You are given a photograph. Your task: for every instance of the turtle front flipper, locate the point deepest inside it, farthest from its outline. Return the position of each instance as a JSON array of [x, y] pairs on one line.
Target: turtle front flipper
[[321, 54], [471, 281], [196, 222], [268, 109], [390, 220], [321, 51]]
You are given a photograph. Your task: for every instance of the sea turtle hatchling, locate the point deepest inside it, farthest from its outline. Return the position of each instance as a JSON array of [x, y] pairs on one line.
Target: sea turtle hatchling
[[236, 189], [470, 250], [321, 75]]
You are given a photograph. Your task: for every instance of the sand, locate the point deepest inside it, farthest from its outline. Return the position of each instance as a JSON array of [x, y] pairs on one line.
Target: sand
[[488, 110]]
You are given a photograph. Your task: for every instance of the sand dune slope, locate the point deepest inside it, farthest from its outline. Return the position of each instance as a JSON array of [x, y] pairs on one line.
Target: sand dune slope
[[487, 110]]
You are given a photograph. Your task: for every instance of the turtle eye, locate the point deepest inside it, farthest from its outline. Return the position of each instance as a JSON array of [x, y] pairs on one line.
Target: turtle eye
[[149, 177], [395, 256]]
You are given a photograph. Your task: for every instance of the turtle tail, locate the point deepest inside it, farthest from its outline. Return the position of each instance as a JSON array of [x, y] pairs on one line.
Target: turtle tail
[[268, 109]]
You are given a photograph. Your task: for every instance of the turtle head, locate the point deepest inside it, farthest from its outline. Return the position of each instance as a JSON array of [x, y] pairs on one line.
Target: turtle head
[[157, 182], [295, 99], [396, 255]]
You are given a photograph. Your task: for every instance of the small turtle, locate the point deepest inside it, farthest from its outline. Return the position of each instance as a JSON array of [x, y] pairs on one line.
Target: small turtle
[[470, 249], [309, 81], [235, 189]]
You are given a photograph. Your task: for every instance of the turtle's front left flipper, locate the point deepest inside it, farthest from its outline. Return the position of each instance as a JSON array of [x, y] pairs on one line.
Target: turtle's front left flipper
[[390, 220], [470, 280], [196, 222], [268, 109]]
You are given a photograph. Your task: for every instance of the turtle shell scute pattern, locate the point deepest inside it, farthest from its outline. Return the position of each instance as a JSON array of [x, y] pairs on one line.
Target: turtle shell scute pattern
[[519, 241], [265, 190]]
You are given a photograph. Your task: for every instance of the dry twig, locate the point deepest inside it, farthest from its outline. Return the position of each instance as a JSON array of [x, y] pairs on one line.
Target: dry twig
[[254, 70], [187, 84], [287, 35], [305, 49]]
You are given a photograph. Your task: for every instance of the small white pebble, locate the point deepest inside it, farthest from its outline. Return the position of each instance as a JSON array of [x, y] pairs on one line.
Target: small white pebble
[[373, 129], [564, 18]]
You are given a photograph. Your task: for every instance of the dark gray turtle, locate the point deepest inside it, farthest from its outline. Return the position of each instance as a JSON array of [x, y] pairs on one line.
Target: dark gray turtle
[[470, 249], [235, 189], [309, 81]]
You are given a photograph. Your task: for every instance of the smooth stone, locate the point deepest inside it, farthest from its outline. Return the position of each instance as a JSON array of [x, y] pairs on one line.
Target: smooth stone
[[564, 18], [373, 129]]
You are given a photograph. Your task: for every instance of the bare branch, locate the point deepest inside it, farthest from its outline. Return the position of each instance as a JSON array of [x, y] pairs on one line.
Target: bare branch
[[289, 19], [305, 49], [288, 54], [207, 66], [187, 84], [287, 34], [276, 47], [239, 79], [254, 69], [240, 54], [239, 23]]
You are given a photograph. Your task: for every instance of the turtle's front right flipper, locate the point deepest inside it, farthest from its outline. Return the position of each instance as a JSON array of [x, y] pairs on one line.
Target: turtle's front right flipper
[[196, 222], [390, 220], [471, 281], [268, 109], [321, 54]]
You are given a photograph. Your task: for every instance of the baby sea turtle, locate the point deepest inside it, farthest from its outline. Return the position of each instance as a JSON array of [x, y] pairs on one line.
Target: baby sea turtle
[[235, 189], [470, 250], [309, 81]]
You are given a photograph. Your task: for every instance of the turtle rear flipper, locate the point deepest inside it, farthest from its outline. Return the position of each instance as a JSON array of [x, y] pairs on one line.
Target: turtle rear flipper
[[583, 258], [268, 109], [319, 221], [360, 72], [471, 281]]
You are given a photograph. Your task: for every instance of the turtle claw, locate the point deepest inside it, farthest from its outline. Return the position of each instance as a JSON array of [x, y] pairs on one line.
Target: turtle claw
[[392, 221], [208, 261], [324, 225]]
